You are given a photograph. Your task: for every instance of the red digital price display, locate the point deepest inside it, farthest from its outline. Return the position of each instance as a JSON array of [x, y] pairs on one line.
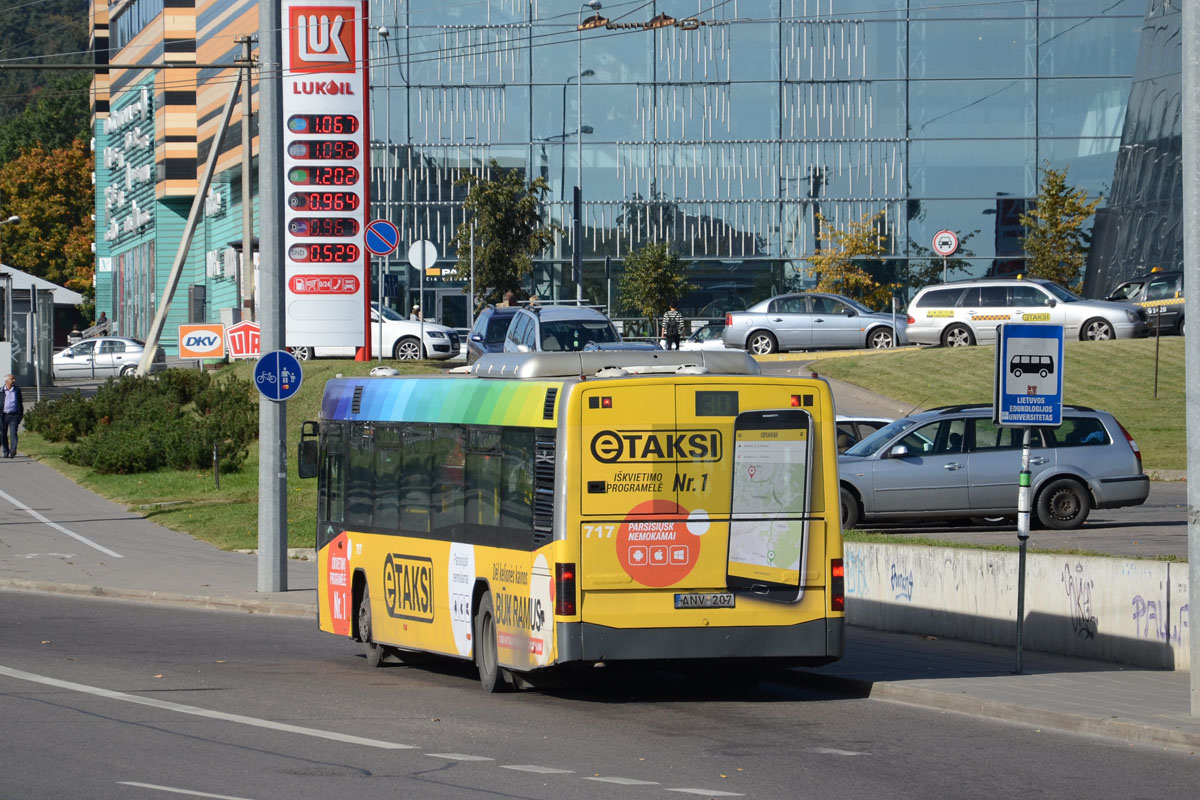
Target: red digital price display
[[328, 149], [323, 201], [323, 123], [323, 226], [323, 176], [327, 253]]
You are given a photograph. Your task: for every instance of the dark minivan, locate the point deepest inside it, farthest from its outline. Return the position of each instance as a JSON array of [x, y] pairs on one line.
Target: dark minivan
[[488, 334]]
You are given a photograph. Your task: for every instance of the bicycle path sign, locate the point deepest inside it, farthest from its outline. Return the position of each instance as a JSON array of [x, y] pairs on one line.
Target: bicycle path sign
[[278, 375], [1029, 370]]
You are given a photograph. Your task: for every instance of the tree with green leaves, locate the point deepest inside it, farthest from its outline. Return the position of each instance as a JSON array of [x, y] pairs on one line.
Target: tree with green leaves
[[838, 265], [56, 115], [654, 278], [507, 216], [1055, 243]]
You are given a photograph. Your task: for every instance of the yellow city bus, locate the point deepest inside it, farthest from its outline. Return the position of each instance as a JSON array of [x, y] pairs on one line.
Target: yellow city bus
[[549, 509]]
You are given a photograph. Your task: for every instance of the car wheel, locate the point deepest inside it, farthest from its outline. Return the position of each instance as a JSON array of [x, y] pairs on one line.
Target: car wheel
[[958, 336], [849, 509], [1097, 330], [762, 343], [302, 353], [985, 521], [128, 370], [1063, 505], [1179, 327], [880, 339], [407, 349]]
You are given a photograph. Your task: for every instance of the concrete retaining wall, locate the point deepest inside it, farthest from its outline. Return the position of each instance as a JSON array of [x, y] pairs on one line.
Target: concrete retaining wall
[[1132, 612]]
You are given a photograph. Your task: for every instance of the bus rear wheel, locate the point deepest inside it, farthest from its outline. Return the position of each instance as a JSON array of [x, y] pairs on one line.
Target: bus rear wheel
[[373, 650], [491, 676]]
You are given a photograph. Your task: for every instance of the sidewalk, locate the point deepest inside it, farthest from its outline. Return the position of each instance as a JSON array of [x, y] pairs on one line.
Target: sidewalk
[[58, 537]]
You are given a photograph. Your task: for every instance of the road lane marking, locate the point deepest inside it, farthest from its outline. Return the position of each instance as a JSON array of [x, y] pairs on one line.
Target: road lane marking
[[833, 751], [706, 792], [459, 757], [537, 769], [196, 711], [622, 781], [175, 790], [58, 527]]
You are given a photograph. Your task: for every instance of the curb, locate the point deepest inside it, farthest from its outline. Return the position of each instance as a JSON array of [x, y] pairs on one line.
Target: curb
[[958, 703], [208, 602]]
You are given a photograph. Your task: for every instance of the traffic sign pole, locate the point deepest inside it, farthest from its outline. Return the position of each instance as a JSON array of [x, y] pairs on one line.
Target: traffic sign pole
[[381, 238]]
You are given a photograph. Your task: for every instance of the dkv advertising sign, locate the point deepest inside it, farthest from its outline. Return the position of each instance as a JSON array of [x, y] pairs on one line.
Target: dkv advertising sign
[[202, 341]]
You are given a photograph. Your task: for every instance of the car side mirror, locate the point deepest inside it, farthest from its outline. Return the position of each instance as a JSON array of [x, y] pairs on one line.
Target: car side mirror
[[475, 337], [1053, 302], [898, 451], [522, 348], [850, 312]]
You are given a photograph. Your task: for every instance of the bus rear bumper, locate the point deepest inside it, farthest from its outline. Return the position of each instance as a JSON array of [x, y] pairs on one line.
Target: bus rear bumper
[[808, 643]]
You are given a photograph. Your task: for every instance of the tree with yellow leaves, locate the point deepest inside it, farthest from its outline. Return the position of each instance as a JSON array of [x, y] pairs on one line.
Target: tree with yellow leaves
[[1055, 243], [837, 266]]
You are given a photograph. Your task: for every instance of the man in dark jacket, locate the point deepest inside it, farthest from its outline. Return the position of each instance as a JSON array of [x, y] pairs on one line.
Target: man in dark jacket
[[12, 408]]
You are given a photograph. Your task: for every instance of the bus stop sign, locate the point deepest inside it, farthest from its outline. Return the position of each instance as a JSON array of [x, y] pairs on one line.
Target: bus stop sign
[[1029, 368]]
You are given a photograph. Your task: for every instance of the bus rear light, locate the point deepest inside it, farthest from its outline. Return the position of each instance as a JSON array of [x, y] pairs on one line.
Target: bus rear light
[[564, 590], [837, 585]]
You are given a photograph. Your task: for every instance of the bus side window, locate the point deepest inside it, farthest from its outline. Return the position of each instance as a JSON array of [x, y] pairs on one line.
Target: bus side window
[[415, 480], [516, 502], [485, 475], [386, 514], [448, 498], [360, 477]]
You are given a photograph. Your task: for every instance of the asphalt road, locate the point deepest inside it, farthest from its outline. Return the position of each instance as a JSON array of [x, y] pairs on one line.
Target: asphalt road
[[108, 700]]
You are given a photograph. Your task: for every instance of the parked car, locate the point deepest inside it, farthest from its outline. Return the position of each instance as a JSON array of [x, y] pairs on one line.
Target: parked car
[[537, 328], [104, 357], [969, 312], [706, 337], [810, 321], [488, 334], [852, 430], [1160, 292], [401, 340], [954, 462]]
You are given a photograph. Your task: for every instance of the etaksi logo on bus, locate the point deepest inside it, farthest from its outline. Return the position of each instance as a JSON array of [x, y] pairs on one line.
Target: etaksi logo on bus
[[408, 587], [623, 447]]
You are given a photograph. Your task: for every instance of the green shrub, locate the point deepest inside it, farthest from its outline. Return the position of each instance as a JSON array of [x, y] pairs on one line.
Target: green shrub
[[63, 420], [171, 420]]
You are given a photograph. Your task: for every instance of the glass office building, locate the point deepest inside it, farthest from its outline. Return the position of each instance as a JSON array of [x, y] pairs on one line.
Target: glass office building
[[727, 127]]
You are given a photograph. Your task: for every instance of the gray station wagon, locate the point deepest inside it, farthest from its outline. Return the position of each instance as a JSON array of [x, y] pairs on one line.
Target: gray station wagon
[[953, 462]]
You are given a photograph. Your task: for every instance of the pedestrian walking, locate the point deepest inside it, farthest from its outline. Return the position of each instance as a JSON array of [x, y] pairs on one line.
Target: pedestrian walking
[[11, 410], [415, 316], [672, 326]]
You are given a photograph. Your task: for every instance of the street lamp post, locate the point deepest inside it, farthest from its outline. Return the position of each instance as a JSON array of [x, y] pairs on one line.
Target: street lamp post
[[593, 21]]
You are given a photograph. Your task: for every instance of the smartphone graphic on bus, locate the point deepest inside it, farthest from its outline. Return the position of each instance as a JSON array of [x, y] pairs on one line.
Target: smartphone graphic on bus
[[770, 501]]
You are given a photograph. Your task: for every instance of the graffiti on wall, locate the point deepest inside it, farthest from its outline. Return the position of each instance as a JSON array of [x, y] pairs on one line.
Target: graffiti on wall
[[1079, 595], [1152, 620]]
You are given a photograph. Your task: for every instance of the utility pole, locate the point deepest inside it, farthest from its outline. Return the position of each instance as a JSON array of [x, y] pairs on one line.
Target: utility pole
[[272, 434]]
